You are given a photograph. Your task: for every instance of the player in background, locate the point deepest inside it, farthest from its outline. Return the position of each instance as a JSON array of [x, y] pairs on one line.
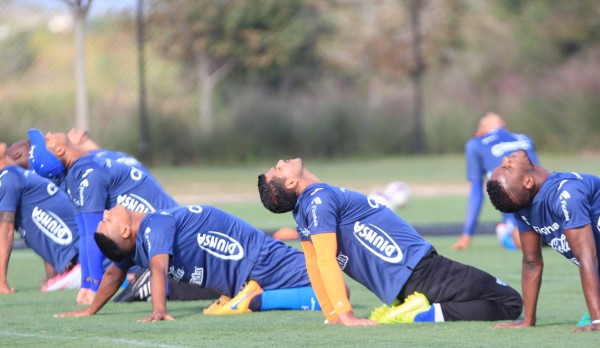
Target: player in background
[[44, 217], [341, 230], [93, 184], [562, 209], [483, 153], [206, 246]]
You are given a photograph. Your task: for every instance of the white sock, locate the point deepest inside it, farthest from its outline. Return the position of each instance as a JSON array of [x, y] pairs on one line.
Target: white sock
[[439, 316]]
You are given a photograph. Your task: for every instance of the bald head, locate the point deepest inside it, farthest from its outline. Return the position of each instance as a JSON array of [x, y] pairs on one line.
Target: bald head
[[489, 122]]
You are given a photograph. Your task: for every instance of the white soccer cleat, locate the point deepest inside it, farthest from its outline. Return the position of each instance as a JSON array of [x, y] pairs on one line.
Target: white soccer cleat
[[67, 280]]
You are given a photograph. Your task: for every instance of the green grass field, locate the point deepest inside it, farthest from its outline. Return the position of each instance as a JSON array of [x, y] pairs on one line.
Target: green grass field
[[26, 317]]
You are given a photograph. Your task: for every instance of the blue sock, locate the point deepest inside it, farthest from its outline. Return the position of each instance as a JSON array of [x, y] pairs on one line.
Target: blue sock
[[428, 316], [303, 298], [83, 261], [95, 256]]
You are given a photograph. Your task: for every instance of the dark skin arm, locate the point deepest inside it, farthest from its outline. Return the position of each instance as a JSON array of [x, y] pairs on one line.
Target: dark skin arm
[[531, 279], [581, 242], [7, 233], [110, 284], [159, 266]]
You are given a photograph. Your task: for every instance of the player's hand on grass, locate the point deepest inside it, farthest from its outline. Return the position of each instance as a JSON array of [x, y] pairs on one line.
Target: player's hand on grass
[[348, 319], [519, 324], [85, 312], [157, 316]]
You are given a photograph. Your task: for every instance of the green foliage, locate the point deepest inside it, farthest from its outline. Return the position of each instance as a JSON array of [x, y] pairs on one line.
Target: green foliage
[[16, 55]]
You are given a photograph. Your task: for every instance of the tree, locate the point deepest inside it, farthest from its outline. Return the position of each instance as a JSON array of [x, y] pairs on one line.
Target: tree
[[395, 40], [271, 40], [79, 9]]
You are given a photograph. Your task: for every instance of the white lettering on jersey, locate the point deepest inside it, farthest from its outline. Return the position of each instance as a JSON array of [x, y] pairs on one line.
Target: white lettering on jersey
[[52, 189], [136, 174], [560, 244], [176, 274], [197, 276], [342, 260], [563, 204], [196, 209], [135, 203], [52, 226], [147, 237], [220, 245], [547, 229], [378, 242], [500, 149]]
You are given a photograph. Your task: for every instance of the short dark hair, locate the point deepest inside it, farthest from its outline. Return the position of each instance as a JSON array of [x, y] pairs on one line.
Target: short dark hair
[[274, 195], [500, 197], [109, 248]]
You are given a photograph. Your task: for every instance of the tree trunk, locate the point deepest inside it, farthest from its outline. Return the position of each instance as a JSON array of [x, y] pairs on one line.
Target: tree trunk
[[81, 103], [208, 79], [416, 77], [206, 95]]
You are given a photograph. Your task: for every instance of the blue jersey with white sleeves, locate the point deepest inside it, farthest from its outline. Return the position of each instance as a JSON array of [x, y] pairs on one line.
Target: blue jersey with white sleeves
[[484, 153], [216, 250], [564, 201], [44, 216], [376, 247], [96, 183]]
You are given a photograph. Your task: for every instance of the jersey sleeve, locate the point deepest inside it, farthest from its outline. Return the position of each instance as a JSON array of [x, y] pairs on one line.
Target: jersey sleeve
[[572, 205], [475, 168], [321, 212], [159, 235], [93, 190], [125, 264], [10, 191], [522, 226]]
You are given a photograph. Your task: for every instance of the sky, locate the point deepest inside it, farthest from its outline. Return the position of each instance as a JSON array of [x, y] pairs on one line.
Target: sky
[[98, 7]]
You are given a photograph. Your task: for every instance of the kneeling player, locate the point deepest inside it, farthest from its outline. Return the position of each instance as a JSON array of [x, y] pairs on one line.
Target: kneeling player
[[204, 246]]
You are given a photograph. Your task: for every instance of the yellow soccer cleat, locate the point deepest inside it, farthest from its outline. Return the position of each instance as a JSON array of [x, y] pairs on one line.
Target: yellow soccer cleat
[[241, 302], [404, 313], [216, 304]]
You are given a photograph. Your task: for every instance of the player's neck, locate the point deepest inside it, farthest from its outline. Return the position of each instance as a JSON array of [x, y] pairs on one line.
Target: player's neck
[[72, 155], [136, 220]]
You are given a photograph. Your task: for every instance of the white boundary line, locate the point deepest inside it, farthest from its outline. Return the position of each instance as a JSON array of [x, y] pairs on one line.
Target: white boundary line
[[95, 339]]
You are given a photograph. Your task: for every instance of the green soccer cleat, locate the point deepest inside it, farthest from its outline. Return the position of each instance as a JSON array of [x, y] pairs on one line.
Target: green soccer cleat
[[404, 313], [585, 320]]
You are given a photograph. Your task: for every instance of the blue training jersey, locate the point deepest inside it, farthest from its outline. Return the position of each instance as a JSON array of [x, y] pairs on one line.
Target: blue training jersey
[[216, 250], [484, 153], [96, 183], [376, 247], [44, 216], [565, 201]]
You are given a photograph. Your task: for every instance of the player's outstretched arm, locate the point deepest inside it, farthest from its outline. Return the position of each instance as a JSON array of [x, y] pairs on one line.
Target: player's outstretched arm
[[110, 284], [581, 241], [325, 245], [7, 232], [531, 280], [159, 265], [316, 281]]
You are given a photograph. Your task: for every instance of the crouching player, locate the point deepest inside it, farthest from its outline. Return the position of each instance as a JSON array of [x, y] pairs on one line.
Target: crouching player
[[204, 246], [44, 216], [345, 230]]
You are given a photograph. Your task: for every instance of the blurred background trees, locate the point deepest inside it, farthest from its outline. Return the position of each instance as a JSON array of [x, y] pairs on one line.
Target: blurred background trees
[[236, 81]]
